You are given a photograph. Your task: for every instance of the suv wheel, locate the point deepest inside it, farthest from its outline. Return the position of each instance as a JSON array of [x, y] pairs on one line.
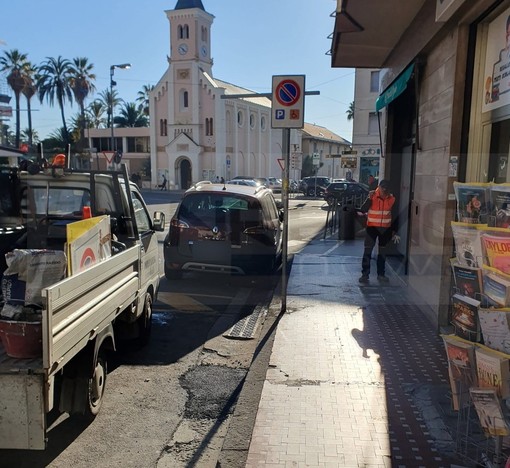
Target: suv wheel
[[311, 192]]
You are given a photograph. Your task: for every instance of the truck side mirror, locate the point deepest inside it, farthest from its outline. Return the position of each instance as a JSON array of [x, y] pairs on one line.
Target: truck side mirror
[[158, 221]]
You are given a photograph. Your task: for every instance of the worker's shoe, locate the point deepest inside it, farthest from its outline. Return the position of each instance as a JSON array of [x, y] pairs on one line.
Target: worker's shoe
[[363, 279], [383, 279]]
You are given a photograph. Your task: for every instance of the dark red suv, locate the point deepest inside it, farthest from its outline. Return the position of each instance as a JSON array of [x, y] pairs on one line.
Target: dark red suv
[[224, 229]]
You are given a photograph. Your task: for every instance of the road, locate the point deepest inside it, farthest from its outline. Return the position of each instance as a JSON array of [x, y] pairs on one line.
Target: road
[[169, 404]]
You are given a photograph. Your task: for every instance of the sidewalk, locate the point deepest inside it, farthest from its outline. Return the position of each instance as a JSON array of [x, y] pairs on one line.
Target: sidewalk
[[357, 376]]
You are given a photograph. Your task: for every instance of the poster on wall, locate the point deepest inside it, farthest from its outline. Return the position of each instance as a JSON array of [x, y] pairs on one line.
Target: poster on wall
[[497, 64]]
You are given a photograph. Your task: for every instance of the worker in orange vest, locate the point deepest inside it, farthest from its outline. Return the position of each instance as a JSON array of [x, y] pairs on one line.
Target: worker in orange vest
[[381, 226]]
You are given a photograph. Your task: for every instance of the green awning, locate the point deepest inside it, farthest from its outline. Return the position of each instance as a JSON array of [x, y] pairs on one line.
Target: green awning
[[395, 89]]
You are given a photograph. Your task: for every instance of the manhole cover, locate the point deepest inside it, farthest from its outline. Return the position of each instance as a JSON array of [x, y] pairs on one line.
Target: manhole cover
[[246, 327]]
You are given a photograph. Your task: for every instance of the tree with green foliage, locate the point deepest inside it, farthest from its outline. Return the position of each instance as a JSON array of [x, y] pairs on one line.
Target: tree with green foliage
[[53, 83], [130, 116], [29, 90], [14, 62], [81, 81], [143, 99], [106, 97], [350, 111], [95, 114]]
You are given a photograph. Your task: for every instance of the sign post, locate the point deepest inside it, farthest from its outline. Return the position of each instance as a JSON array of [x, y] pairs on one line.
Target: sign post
[[288, 108]]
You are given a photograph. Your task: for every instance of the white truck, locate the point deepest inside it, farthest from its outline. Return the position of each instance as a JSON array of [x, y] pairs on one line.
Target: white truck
[[85, 315]]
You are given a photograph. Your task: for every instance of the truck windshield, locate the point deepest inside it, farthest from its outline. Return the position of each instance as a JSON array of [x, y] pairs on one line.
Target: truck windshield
[[60, 201]]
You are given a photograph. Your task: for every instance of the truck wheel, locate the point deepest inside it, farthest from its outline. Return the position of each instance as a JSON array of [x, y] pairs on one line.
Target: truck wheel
[[95, 387], [145, 322]]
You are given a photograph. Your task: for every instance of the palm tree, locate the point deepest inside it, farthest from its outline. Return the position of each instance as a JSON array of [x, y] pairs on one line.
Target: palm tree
[[143, 98], [28, 91], [81, 83], [107, 97], [30, 135], [350, 111], [94, 113], [131, 116], [54, 83], [13, 62]]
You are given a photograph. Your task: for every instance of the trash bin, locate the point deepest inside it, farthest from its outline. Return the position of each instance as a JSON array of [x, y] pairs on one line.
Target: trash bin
[[347, 220]]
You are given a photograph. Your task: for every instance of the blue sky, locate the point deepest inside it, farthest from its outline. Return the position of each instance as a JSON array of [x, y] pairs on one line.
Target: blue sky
[[252, 40]]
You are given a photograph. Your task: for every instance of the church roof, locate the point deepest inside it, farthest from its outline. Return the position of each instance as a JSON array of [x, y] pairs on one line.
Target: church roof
[[186, 4], [233, 89]]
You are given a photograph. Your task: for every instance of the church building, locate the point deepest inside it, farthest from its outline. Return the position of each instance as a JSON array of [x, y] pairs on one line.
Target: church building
[[197, 132]]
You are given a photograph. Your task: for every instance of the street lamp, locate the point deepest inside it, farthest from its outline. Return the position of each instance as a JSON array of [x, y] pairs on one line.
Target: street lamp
[[124, 66]]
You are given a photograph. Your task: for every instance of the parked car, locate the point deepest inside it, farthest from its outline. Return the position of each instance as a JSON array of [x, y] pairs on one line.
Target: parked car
[[275, 184], [346, 192], [260, 180], [314, 186], [236, 230], [249, 182]]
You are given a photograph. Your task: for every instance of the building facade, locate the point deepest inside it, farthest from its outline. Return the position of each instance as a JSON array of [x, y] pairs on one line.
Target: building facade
[[367, 125], [445, 88], [329, 150], [197, 131]]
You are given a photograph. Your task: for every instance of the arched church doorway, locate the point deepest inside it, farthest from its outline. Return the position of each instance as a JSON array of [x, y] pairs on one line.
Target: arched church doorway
[[185, 174]]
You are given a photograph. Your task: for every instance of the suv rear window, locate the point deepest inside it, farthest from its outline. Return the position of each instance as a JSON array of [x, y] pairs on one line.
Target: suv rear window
[[201, 203]]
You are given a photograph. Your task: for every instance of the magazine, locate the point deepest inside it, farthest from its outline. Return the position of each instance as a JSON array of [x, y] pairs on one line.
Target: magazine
[[495, 328], [499, 205], [468, 280], [490, 413], [496, 286], [493, 370], [496, 250], [465, 317], [472, 202], [461, 368], [468, 247]]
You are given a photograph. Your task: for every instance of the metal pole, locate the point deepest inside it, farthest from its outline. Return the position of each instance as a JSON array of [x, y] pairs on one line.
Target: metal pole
[[112, 69], [285, 200]]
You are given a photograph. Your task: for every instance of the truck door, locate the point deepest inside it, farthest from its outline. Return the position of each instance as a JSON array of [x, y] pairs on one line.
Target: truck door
[[149, 268]]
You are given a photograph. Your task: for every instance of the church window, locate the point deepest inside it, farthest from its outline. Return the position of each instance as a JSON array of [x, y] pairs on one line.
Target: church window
[[163, 128], [183, 99], [252, 121], [204, 34], [263, 122], [240, 118], [183, 31], [209, 126]]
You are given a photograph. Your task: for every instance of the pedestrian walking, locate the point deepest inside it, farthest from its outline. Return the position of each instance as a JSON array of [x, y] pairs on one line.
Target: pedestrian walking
[[381, 227], [163, 184]]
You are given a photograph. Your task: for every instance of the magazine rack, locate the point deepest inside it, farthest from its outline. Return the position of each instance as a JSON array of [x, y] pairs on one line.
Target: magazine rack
[[473, 445]]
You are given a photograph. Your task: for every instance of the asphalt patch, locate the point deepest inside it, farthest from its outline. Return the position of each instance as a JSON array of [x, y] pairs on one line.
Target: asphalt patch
[[212, 391]]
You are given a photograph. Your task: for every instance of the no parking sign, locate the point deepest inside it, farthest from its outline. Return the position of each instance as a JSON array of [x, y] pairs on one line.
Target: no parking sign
[[288, 95]]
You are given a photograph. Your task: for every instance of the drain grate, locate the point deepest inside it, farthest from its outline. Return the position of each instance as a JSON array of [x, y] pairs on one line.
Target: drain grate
[[247, 326]]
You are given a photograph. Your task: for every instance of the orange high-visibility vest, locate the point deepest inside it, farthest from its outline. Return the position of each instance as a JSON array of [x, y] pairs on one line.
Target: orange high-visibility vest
[[379, 213]]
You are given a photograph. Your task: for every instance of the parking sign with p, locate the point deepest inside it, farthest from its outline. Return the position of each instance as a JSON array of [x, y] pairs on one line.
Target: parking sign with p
[[288, 101]]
